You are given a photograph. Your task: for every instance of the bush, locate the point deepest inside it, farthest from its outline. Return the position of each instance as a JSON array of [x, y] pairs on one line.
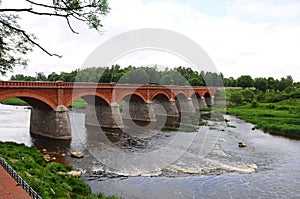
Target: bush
[[248, 95], [271, 106], [236, 98], [254, 104]]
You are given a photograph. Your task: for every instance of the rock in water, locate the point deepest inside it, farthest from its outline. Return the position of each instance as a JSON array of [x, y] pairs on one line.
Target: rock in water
[[72, 173], [242, 144], [77, 154]]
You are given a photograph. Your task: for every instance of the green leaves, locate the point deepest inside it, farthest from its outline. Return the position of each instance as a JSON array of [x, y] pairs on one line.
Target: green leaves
[[13, 44]]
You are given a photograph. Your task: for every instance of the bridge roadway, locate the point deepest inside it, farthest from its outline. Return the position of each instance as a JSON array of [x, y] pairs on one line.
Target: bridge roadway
[[140, 103]]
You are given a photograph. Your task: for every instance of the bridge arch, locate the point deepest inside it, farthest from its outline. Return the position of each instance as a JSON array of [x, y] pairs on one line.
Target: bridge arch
[[34, 99], [161, 104], [196, 100], [180, 101], [136, 111], [180, 93], [158, 93], [75, 96], [121, 95], [207, 98]]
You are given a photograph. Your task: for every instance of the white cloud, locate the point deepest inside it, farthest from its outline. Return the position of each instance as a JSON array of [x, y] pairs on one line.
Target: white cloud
[[237, 45], [275, 9]]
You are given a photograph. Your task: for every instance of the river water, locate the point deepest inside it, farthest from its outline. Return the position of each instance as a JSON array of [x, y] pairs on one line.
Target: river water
[[203, 164]]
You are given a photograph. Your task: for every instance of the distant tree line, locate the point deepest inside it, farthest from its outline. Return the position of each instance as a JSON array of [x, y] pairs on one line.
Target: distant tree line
[[176, 76], [262, 89], [134, 75]]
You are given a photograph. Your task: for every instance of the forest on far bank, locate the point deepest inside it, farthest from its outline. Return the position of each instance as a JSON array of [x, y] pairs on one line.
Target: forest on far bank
[[152, 75]]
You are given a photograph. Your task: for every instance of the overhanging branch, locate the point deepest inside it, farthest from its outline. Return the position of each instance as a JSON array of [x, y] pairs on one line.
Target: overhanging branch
[[29, 38]]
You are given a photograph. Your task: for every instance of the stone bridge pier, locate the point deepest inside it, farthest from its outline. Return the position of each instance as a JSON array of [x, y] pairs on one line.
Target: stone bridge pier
[[137, 114], [186, 110], [100, 114], [50, 123], [166, 112]]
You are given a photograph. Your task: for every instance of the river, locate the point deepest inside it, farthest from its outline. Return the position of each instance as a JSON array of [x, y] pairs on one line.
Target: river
[[203, 164]]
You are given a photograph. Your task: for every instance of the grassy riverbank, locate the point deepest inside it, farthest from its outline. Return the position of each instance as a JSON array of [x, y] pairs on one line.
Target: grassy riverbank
[[41, 176], [280, 118], [78, 103], [15, 101]]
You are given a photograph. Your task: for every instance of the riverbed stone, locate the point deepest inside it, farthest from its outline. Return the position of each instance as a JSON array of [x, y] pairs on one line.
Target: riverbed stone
[[77, 154]]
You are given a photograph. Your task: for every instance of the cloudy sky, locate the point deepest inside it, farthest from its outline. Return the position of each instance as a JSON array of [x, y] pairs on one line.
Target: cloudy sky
[[260, 38]]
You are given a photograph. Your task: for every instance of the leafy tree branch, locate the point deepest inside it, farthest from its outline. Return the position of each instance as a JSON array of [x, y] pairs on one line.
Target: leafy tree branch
[[15, 42]]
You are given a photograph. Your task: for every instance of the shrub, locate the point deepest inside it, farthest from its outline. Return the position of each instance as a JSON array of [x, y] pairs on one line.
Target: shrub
[[271, 106], [254, 104]]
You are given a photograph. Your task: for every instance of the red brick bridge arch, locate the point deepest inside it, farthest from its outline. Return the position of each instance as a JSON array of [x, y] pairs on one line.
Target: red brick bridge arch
[[50, 102]]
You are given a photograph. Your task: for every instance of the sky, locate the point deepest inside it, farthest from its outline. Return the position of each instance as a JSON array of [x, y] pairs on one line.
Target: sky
[[259, 38]]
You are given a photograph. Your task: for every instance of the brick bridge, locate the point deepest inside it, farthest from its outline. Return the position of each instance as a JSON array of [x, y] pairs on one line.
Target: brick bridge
[[138, 103]]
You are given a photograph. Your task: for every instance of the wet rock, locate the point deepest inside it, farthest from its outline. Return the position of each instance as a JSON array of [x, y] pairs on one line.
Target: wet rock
[[47, 158], [242, 144], [77, 154], [72, 173], [27, 174]]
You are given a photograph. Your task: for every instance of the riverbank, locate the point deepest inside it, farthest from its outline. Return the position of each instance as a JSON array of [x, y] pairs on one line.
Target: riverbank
[[281, 118], [43, 177], [78, 103]]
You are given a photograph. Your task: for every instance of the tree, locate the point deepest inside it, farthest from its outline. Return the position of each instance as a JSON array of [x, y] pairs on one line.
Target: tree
[[53, 77], [271, 83], [106, 76], [16, 42], [261, 84], [177, 78], [40, 76], [166, 80], [245, 81], [20, 77], [247, 94], [136, 76], [195, 81], [229, 82], [236, 98]]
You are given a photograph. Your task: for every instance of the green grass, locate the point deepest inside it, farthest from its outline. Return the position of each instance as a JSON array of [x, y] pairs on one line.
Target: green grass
[[281, 118], [78, 103], [14, 101], [43, 177]]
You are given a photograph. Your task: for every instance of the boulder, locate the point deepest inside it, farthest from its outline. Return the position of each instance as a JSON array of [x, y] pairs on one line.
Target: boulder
[[242, 144], [167, 135], [71, 173], [77, 154], [47, 158]]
